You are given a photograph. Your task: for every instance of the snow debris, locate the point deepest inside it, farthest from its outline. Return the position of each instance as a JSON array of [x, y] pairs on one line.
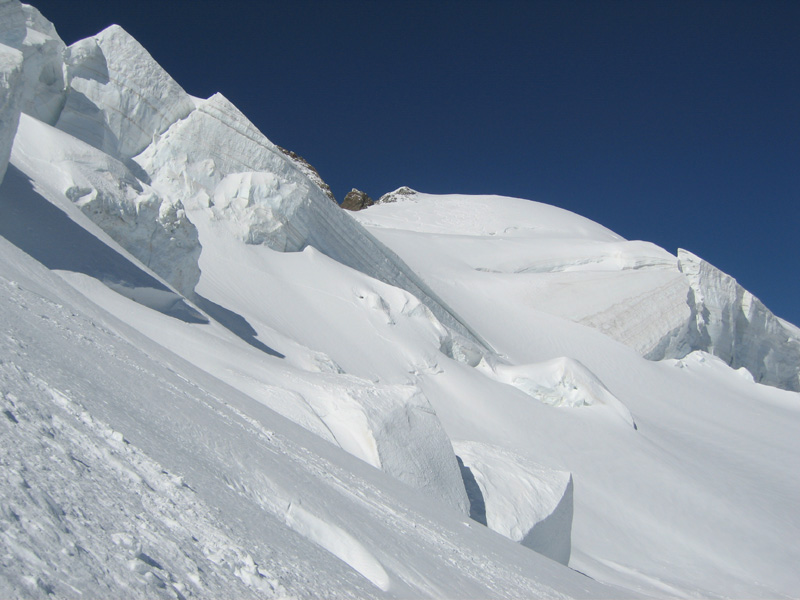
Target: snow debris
[[560, 382]]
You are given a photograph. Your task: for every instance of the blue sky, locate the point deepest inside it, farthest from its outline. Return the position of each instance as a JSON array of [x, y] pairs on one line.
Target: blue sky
[[674, 122]]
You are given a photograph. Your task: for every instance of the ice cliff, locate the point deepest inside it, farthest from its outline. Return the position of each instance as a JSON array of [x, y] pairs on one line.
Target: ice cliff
[[114, 136], [24, 29], [213, 380], [731, 323]]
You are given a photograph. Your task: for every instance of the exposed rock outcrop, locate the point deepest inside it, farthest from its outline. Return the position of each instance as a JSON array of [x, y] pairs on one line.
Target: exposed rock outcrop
[[356, 200], [309, 171], [399, 194]]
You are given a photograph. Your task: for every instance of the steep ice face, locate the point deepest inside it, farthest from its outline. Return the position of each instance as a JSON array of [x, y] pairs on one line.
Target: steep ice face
[[22, 27], [412, 444], [734, 325], [152, 228], [214, 141], [260, 196], [525, 502], [10, 75], [118, 97]]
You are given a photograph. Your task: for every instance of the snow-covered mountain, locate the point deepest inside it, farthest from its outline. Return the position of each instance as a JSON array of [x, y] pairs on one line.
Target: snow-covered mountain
[[218, 383]]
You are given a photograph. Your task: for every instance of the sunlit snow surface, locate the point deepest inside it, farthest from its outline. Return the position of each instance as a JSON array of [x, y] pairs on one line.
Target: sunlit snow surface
[[699, 498], [215, 383]]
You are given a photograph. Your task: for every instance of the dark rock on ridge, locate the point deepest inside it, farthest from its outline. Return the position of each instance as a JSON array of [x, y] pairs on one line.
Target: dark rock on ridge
[[309, 171], [356, 200], [396, 195]]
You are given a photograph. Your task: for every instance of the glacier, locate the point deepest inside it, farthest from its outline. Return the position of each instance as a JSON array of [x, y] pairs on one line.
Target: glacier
[[216, 382]]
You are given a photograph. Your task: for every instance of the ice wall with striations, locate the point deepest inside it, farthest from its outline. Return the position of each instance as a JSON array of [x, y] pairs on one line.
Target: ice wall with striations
[[734, 325], [217, 161], [23, 28], [118, 97]]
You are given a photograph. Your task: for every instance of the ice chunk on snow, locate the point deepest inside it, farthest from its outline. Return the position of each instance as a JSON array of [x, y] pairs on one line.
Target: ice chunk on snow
[[338, 542], [118, 97], [155, 230], [563, 382], [523, 501], [413, 445], [733, 324]]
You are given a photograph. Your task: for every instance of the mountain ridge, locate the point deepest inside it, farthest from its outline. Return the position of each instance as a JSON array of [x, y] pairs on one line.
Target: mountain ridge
[[246, 389]]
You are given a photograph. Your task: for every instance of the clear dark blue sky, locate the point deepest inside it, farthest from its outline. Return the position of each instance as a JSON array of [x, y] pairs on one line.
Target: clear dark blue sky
[[674, 122]]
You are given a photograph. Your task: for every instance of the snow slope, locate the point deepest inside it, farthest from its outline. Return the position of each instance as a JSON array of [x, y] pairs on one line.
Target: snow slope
[[707, 477], [557, 262], [129, 472], [216, 383]]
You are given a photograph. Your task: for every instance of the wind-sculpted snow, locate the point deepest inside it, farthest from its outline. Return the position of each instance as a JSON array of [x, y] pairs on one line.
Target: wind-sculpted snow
[[561, 382], [733, 324], [42, 90], [390, 426], [522, 501], [154, 229], [555, 260], [457, 215], [130, 472], [552, 294], [118, 97]]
